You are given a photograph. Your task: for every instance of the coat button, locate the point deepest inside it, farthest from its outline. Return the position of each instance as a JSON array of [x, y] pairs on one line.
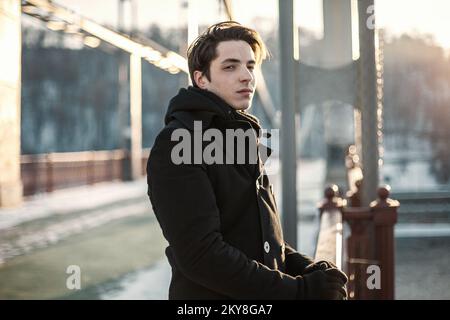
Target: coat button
[[266, 247]]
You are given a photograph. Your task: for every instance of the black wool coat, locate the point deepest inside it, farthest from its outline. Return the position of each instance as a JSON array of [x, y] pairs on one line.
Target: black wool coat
[[220, 220]]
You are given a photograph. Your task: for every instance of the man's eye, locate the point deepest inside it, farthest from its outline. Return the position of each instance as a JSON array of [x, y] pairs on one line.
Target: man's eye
[[229, 68], [251, 67]]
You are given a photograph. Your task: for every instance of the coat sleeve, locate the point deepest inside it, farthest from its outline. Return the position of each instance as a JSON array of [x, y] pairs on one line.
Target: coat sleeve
[[295, 261], [185, 206]]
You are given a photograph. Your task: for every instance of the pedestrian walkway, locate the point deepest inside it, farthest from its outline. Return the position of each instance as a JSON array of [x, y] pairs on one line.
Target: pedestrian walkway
[[421, 268], [108, 230], [47, 219]]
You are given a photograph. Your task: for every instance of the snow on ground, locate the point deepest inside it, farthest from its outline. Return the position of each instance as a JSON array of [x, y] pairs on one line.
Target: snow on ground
[[69, 200], [149, 284]]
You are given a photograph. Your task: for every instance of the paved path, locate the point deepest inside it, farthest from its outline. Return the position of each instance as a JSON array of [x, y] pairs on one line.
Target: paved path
[[422, 268]]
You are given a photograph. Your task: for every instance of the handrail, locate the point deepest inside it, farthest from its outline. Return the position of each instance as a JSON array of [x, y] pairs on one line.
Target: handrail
[[51, 171], [73, 156], [330, 242], [77, 156]]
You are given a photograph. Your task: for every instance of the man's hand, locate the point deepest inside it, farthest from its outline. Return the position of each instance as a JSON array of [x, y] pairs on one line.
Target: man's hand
[[323, 284], [325, 266], [324, 281], [319, 265]]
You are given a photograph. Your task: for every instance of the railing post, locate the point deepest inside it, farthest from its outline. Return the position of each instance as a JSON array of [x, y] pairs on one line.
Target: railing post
[[332, 199], [359, 251], [90, 169], [372, 243], [384, 218], [49, 175]]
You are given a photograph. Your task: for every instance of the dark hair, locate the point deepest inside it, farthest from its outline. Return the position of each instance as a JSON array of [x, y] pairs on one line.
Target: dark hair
[[203, 50]]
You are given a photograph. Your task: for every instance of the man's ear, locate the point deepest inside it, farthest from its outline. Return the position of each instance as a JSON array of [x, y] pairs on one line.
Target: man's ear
[[200, 79]]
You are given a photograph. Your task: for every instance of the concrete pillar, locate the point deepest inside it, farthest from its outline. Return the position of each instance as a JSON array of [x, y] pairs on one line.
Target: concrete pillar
[[339, 117], [130, 107], [368, 101], [136, 116], [10, 83], [337, 29], [287, 131]]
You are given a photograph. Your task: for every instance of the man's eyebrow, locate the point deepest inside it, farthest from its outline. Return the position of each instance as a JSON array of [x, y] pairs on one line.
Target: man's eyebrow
[[232, 60]]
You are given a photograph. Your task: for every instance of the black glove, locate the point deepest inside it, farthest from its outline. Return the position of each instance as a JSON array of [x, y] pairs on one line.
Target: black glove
[[322, 284], [319, 265], [326, 265]]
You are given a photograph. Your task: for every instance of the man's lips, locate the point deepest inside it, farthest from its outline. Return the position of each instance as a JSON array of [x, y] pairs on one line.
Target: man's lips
[[245, 91]]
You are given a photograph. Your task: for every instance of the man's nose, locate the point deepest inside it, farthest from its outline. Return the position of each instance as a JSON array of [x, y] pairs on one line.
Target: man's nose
[[246, 75]]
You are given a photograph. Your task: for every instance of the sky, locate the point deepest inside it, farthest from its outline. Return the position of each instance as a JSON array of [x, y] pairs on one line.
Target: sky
[[397, 17]]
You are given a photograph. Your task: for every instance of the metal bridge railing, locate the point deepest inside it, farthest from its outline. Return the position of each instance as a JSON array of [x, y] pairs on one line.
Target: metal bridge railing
[[52, 171], [360, 241]]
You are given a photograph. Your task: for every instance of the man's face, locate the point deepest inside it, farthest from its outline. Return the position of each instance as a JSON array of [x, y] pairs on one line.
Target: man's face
[[231, 74]]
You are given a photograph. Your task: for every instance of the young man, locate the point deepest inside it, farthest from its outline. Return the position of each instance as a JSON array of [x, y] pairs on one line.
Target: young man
[[220, 218]]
